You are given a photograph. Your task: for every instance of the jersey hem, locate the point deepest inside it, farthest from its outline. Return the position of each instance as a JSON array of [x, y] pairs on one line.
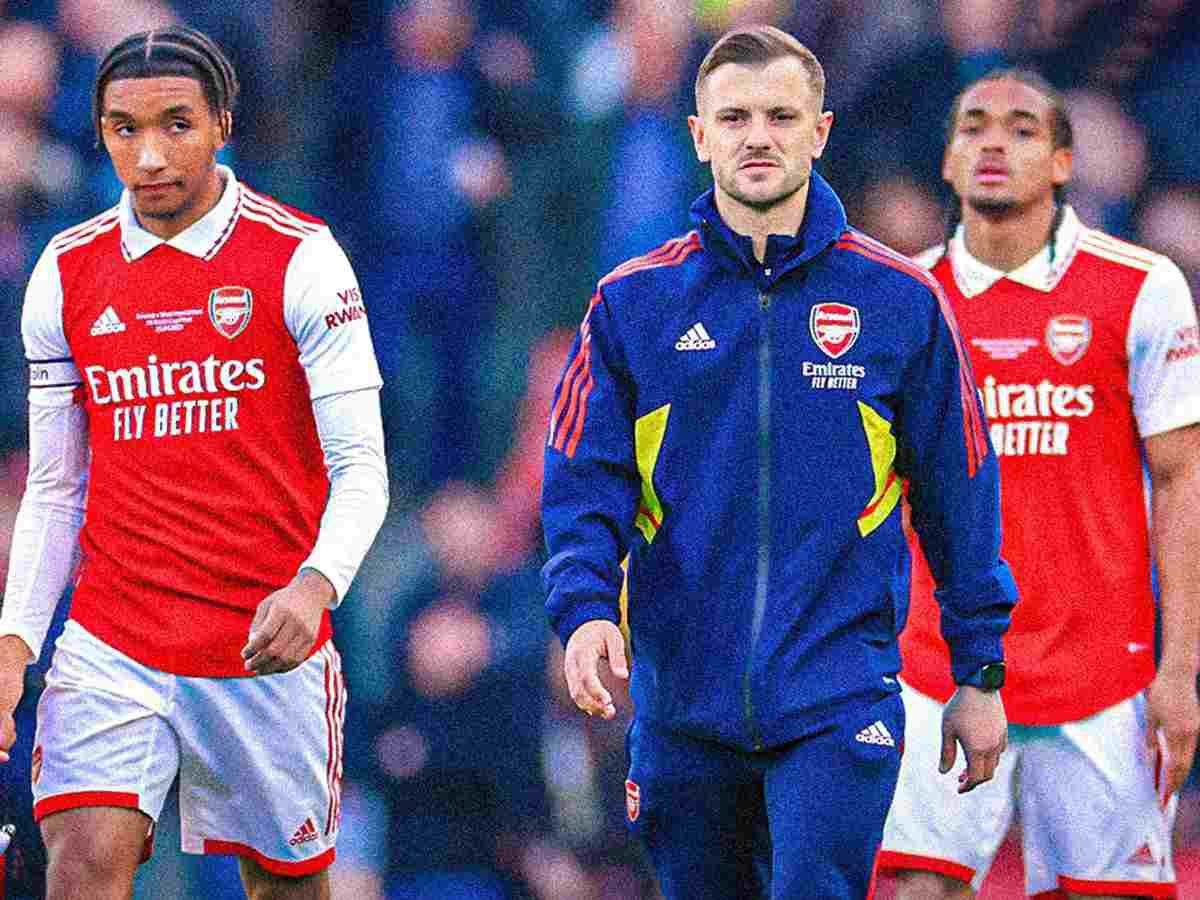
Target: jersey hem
[[1019, 713], [171, 663]]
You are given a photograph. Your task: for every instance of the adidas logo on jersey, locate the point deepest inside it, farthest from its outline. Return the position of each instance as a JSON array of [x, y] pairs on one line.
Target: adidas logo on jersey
[[107, 323], [1143, 856], [305, 833], [876, 733], [695, 338]]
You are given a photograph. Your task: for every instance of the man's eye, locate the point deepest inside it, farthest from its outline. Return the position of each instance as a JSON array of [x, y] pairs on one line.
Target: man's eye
[[123, 130], [180, 125]]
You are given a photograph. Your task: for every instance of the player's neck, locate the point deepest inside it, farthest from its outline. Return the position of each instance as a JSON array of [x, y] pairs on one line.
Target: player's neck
[[758, 224], [1007, 242]]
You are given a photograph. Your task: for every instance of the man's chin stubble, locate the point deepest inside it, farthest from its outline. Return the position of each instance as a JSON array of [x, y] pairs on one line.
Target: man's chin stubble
[[992, 208]]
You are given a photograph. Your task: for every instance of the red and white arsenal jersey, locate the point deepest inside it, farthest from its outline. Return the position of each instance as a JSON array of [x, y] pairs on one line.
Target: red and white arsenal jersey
[[1077, 362], [197, 361]]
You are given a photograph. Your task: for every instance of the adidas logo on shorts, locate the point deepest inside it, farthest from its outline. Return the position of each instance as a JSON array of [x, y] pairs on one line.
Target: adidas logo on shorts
[[876, 733], [305, 833]]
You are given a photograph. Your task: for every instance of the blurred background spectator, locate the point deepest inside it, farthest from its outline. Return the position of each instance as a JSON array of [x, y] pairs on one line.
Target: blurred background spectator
[[485, 163]]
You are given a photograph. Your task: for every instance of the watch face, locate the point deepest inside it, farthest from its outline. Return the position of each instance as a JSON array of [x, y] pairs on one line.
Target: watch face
[[992, 676]]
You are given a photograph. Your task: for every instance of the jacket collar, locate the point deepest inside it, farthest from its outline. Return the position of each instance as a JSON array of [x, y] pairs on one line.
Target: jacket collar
[[973, 277], [824, 222], [198, 239]]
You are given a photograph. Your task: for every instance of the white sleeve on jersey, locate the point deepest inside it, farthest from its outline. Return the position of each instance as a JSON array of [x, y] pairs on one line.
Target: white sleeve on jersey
[[351, 434], [45, 546], [1164, 352], [324, 313]]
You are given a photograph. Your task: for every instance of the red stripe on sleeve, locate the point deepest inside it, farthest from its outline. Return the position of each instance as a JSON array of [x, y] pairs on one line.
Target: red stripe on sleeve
[[572, 373], [570, 408], [577, 431], [568, 423]]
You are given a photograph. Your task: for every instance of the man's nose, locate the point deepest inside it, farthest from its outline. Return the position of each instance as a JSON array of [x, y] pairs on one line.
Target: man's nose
[[150, 156], [758, 134]]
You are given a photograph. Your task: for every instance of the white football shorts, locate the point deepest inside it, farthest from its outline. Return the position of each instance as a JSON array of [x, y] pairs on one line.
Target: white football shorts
[[1086, 793], [259, 759]]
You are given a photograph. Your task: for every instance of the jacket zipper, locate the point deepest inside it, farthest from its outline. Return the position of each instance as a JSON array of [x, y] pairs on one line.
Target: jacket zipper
[[764, 507]]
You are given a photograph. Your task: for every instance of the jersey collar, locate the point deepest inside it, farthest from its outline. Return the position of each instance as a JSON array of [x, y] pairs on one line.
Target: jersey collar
[[973, 276], [201, 239]]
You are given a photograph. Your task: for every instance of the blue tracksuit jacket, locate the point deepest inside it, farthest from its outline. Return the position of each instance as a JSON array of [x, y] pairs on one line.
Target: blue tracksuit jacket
[[740, 433]]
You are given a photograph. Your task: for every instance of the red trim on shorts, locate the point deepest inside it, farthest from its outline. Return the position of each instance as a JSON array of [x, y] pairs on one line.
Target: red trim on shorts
[[891, 861], [329, 729], [1120, 888], [81, 799], [1055, 894], [283, 867]]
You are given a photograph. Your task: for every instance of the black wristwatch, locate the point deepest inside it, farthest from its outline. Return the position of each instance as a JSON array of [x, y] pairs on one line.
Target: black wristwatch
[[987, 678]]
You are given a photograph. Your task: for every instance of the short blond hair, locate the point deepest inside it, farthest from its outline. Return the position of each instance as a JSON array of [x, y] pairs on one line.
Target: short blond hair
[[759, 45]]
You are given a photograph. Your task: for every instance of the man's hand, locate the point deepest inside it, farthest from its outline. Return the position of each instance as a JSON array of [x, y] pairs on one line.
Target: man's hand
[[286, 624], [590, 643], [14, 656], [975, 719], [1172, 709]]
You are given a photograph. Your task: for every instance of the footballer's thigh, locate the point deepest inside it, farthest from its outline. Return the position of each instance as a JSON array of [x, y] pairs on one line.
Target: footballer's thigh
[[827, 796], [946, 840], [262, 884], [261, 767], [1093, 821], [104, 758], [94, 851], [697, 808]]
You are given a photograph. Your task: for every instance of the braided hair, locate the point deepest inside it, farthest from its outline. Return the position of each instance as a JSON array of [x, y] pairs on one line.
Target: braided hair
[[1061, 133], [177, 50]]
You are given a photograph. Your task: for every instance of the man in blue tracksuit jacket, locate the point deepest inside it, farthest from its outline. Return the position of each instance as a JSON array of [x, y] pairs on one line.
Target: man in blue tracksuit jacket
[[733, 427]]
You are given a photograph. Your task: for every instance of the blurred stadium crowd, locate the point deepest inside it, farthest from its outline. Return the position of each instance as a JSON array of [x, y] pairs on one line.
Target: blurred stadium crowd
[[484, 162]]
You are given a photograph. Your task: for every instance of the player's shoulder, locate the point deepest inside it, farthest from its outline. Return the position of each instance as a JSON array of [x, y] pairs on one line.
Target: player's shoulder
[[276, 216], [1103, 246], [877, 257], [665, 259], [84, 233]]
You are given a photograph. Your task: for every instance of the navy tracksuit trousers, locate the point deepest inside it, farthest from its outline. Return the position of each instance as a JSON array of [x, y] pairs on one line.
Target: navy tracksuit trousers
[[798, 822]]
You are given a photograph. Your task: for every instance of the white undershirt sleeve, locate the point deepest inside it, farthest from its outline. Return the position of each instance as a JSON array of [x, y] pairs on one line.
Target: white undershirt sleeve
[[1164, 352], [351, 434], [325, 314], [45, 546]]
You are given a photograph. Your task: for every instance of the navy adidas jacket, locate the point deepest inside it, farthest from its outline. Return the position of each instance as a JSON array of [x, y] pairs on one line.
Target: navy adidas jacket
[[740, 433]]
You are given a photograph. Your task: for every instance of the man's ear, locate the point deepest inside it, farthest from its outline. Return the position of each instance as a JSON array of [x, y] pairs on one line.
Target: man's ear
[[696, 127], [1060, 166]]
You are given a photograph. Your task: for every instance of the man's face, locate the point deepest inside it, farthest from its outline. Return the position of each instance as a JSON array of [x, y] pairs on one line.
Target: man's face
[[163, 138], [1001, 156], [760, 128]]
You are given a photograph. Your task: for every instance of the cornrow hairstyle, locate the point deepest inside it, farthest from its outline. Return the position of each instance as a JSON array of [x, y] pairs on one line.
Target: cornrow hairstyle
[[759, 45], [177, 50], [1061, 133]]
